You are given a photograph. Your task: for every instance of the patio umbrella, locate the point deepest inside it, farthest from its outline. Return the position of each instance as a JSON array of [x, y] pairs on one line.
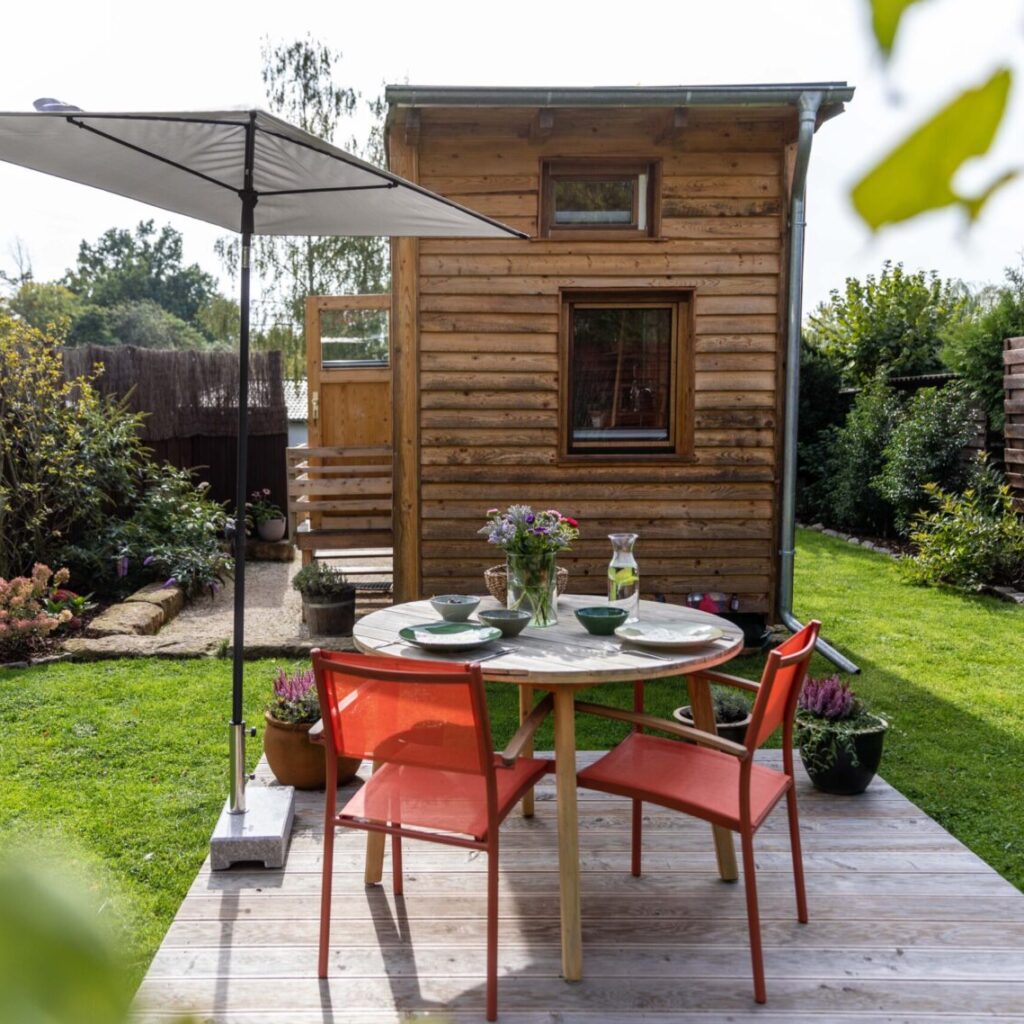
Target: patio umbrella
[[245, 171]]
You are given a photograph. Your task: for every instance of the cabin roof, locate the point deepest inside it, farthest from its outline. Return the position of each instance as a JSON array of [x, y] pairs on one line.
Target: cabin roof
[[834, 95]]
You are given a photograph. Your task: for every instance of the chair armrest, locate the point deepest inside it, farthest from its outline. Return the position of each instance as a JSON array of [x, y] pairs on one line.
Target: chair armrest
[[727, 680], [704, 739], [316, 732], [525, 732]]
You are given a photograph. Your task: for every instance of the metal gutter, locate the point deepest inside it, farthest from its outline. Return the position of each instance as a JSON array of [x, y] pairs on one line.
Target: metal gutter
[[808, 106], [831, 94]]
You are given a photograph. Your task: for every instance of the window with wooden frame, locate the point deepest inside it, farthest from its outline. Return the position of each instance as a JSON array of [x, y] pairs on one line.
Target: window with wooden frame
[[599, 199], [626, 374]]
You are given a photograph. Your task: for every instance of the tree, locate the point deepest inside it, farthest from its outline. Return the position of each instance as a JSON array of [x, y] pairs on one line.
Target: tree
[[974, 347], [300, 86], [123, 267], [891, 325], [46, 304]]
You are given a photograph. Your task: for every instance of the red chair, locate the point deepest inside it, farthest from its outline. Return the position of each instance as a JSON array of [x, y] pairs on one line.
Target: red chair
[[425, 726], [717, 780]]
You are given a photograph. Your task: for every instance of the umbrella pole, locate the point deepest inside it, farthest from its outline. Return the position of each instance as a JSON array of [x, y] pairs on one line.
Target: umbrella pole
[[238, 772]]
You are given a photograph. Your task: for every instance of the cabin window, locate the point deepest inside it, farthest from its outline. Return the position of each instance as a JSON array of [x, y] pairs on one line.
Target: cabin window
[[598, 198], [626, 385]]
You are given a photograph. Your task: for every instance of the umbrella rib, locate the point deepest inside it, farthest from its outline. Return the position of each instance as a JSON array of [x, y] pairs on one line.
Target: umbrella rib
[[337, 188], [150, 153]]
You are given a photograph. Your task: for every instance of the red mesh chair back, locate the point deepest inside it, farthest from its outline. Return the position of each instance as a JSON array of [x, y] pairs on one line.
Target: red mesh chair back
[[781, 683], [405, 713]]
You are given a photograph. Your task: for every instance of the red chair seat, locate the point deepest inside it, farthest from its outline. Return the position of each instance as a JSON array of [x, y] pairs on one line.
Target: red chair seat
[[429, 798], [683, 776]]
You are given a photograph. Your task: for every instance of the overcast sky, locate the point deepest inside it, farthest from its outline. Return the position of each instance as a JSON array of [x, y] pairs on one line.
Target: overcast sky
[[191, 55]]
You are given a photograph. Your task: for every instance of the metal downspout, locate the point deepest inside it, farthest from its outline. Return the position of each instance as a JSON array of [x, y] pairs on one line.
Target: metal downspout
[[808, 112]]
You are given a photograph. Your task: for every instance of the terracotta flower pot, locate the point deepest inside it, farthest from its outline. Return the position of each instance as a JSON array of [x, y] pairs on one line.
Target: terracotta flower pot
[[297, 762], [271, 529]]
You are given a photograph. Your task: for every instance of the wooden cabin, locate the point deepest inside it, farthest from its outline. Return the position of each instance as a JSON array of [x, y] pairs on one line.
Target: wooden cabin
[[625, 364]]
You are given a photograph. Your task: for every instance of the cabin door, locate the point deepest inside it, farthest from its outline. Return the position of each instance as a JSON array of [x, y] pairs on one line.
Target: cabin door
[[348, 371]]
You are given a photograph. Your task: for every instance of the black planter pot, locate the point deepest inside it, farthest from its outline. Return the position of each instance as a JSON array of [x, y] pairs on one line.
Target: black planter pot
[[852, 771], [332, 616], [735, 731]]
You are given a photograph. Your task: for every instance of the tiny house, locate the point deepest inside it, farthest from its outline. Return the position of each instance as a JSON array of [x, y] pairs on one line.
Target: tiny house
[[626, 364]]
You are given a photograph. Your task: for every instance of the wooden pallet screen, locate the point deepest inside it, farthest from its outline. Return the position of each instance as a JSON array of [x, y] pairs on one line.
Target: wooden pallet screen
[[339, 498], [1013, 382]]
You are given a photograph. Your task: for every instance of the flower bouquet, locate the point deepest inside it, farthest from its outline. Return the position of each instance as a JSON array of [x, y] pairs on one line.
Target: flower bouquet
[[531, 542]]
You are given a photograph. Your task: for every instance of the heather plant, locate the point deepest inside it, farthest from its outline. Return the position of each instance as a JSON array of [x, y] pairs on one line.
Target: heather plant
[[828, 698], [295, 698], [829, 715], [25, 617], [729, 706]]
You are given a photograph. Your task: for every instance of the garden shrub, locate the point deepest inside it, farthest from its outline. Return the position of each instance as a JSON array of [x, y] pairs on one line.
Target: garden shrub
[[969, 539], [853, 455], [926, 447], [174, 535], [69, 458]]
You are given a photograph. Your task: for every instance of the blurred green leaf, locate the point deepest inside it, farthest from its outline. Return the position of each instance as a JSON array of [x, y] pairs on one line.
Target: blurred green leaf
[[885, 20], [917, 175]]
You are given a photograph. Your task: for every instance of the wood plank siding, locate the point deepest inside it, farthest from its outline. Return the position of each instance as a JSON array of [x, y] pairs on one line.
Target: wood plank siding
[[488, 319]]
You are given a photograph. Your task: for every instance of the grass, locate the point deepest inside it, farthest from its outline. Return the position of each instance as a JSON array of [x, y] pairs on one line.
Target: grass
[[123, 764]]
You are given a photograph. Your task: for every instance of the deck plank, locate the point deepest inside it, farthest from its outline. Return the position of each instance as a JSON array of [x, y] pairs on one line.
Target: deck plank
[[907, 926]]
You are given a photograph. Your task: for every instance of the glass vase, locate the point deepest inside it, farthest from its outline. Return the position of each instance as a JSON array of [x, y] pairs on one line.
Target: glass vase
[[624, 575], [533, 586]]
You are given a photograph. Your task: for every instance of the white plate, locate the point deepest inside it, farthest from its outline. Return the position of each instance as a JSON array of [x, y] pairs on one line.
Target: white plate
[[650, 634]]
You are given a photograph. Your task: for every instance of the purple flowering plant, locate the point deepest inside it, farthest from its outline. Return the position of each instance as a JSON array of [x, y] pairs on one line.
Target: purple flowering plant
[[295, 699], [521, 531], [261, 509], [829, 698]]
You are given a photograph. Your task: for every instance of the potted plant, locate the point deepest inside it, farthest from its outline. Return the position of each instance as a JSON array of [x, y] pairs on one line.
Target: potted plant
[[840, 741], [293, 709], [732, 715], [328, 600], [269, 519]]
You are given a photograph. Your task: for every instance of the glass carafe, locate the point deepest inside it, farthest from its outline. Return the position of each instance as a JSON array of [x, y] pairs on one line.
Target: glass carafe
[[624, 575]]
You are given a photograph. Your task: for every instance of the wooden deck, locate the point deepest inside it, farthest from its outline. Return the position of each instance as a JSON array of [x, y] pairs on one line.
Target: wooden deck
[[907, 925]]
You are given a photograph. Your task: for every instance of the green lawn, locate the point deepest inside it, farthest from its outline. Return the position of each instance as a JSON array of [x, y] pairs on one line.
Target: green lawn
[[124, 763]]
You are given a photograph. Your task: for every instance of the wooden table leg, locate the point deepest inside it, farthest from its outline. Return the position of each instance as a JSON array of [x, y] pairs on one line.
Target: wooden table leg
[[525, 707], [568, 834], [704, 718], [373, 872]]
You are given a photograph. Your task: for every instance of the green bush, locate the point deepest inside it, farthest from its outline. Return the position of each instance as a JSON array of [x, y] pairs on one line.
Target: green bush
[[969, 539], [173, 535], [888, 325], [68, 457], [852, 456], [926, 447], [974, 347]]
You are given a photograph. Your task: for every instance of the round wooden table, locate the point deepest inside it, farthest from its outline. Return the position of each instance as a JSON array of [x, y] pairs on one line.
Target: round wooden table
[[562, 659]]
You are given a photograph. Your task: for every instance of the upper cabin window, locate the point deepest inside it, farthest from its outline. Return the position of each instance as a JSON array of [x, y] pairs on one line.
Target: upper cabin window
[[626, 385], [598, 198]]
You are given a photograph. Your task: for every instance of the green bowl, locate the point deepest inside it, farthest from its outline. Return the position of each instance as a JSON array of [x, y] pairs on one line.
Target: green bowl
[[601, 620], [510, 621]]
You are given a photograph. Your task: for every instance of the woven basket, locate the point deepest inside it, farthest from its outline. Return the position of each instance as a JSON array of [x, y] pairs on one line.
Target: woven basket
[[496, 579]]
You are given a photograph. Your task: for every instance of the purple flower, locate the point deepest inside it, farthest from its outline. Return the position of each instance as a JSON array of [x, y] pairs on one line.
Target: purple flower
[[149, 560], [828, 698], [530, 518], [122, 567]]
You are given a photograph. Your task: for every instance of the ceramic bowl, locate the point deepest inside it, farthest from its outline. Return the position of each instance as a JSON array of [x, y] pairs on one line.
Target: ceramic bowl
[[508, 620], [601, 620], [454, 607]]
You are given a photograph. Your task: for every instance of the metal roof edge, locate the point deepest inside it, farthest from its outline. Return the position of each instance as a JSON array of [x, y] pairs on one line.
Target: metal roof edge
[[764, 94]]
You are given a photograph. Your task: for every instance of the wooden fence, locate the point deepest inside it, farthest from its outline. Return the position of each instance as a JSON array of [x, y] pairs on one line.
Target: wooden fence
[[190, 402], [1013, 382]]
